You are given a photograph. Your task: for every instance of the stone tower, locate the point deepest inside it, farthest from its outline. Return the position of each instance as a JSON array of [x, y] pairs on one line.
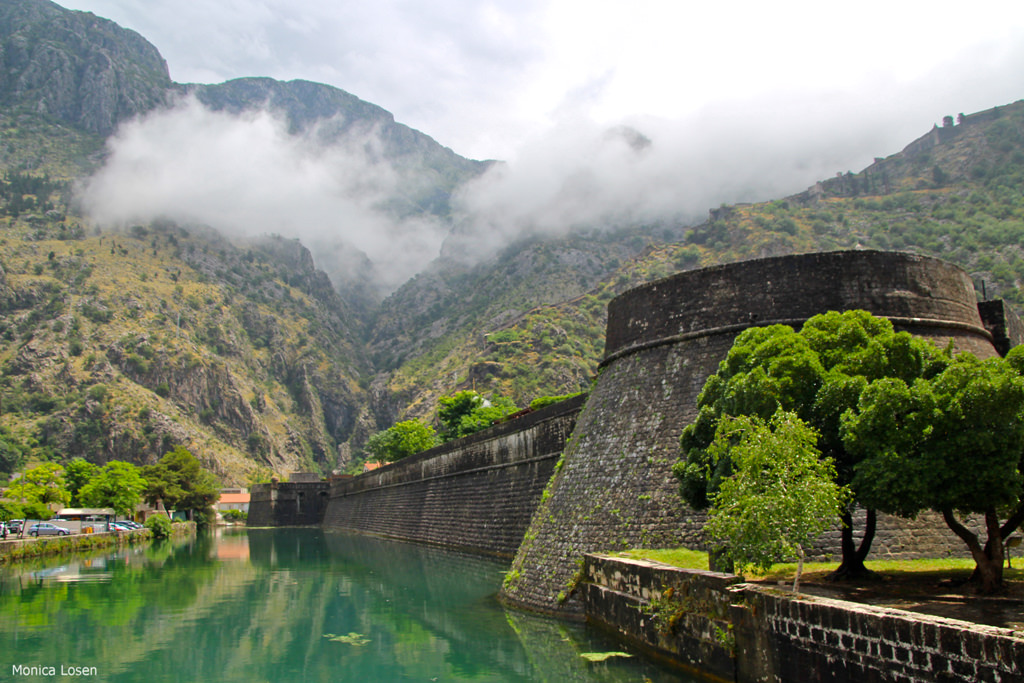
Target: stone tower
[[614, 487]]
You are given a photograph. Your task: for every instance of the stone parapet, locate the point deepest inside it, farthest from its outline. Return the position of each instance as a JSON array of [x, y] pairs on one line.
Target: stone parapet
[[717, 626]]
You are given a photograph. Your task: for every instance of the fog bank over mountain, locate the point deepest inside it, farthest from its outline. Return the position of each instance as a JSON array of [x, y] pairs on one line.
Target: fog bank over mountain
[[246, 175], [251, 173]]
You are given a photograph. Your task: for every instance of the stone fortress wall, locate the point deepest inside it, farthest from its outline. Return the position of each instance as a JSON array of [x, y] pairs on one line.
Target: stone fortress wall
[[503, 492], [476, 494], [291, 503], [616, 489]]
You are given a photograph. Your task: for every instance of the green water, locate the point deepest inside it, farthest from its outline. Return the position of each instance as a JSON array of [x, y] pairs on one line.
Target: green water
[[269, 605]]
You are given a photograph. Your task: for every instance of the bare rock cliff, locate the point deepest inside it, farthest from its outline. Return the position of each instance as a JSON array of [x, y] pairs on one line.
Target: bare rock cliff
[[76, 67]]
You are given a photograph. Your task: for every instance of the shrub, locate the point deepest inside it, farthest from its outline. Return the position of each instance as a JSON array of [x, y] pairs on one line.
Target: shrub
[[236, 515], [544, 401], [159, 526]]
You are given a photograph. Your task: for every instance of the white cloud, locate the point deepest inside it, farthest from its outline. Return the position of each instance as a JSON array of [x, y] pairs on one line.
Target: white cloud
[[742, 101], [482, 77], [245, 175]]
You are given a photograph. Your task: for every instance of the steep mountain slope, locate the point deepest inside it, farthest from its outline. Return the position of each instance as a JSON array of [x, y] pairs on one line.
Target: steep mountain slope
[[431, 171], [955, 193], [436, 334], [75, 67], [123, 343]]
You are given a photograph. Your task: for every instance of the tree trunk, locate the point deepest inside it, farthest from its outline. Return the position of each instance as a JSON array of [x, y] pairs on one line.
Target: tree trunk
[[852, 565], [988, 572], [799, 568], [719, 561]]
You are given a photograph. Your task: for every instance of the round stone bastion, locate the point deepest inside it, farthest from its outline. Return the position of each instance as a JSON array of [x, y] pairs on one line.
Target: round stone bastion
[[614, 488]]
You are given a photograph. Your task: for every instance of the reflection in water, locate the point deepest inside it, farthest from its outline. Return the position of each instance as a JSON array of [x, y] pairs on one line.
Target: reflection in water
[[289, 605]]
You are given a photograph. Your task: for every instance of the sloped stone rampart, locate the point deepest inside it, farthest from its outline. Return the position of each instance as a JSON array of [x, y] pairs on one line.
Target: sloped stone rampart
[[476, 494], [615, 488]]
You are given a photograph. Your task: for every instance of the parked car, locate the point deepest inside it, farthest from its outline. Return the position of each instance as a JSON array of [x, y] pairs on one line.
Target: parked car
[[14, 526], [119, 526], [47, 529], [129, 523]]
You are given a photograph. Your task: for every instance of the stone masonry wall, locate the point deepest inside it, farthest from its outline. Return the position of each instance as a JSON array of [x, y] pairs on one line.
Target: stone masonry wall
[[287, 504], [779, 638], [674, 614], [715, 625], [1006, 328], [615, 488], [476, 494]]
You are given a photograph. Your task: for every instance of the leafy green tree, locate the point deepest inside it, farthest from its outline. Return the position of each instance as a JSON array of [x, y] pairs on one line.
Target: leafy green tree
[[38, 488], [181, 483], [780, 496], [117, 485], [236, 515], [12, 452], [10, 510], [77, 474], [818, 373], [466, 412], [402, 440], [451, 410], [954, 444], [35, 509], [159, 526]]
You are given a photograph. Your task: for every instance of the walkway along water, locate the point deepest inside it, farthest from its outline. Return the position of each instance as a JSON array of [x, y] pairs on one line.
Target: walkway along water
[[14, 548]]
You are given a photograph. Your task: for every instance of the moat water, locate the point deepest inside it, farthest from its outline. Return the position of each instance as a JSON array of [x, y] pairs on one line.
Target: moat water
[[282, 605]]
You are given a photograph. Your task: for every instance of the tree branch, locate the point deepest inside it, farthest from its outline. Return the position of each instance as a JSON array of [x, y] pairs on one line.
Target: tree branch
[[964, 533], [870, 523], [1013, 522]]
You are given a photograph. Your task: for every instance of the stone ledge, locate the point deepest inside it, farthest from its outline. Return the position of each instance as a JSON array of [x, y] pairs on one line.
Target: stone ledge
[[748, 632]]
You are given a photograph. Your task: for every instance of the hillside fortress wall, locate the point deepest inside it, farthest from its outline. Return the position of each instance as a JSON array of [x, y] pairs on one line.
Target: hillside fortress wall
[[530, 490]]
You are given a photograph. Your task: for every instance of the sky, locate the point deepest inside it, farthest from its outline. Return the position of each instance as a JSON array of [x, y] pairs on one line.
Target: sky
[[741, 100], [482, 76]]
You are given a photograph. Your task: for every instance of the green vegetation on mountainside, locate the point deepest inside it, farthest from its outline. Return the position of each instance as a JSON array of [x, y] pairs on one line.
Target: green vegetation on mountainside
[[955, 194], [548, 349], [530, 324], [124, 345], [32, 142]]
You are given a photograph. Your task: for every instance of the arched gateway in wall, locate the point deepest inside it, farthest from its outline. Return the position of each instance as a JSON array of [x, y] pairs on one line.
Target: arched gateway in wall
[[614, 488]]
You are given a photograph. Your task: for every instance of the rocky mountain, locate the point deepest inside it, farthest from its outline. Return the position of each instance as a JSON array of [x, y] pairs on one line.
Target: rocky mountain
[[433, 171], [75, 67], [88, 73], [121, 343], [954, 193]]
